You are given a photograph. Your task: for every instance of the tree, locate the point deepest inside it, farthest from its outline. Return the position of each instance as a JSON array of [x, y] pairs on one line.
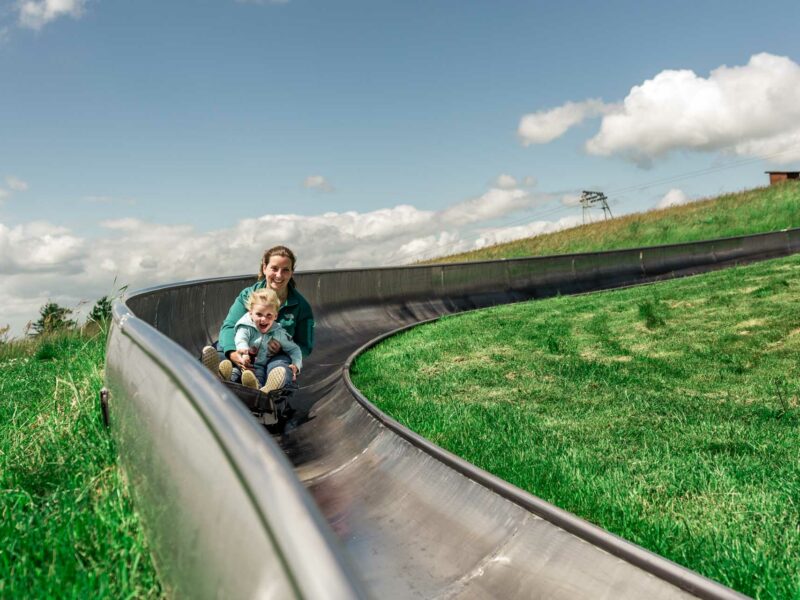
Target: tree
[[53, 318], [101, 311]]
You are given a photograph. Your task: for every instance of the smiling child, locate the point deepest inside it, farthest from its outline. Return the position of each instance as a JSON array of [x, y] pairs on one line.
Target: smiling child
[[252, 337]]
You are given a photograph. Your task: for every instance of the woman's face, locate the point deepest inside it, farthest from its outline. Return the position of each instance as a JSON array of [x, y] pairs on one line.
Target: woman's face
[[278, 272]]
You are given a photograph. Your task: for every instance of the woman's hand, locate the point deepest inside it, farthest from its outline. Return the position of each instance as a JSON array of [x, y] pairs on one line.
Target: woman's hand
[[274, 346]]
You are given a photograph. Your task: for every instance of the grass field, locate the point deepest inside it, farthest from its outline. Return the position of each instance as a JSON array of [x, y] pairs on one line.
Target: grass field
[[667, 414], [753, 211], [68, 527]]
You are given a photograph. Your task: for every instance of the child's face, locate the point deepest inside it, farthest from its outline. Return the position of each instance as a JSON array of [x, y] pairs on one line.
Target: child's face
[[263, 316]]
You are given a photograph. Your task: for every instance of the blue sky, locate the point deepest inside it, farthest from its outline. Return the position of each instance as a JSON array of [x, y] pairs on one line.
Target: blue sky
[[160, 141]]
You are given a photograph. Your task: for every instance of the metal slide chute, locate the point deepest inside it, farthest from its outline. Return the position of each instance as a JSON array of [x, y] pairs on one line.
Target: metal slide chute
[[351, 504]]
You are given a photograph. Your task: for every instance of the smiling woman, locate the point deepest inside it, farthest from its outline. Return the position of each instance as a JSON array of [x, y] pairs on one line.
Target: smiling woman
[[292, 332]]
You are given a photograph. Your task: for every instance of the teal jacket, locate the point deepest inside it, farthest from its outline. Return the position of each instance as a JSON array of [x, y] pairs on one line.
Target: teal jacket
[[294, 315], [247, 335]]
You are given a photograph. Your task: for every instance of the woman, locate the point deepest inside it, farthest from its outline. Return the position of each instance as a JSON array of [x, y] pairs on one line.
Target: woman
[[294, 315]]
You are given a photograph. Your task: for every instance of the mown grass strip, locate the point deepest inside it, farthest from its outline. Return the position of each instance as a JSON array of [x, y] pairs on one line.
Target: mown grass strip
[[66, 521], [753, 211], [667, 414]]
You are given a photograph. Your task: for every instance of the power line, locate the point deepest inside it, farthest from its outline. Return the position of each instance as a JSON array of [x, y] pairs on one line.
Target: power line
[[588, 198]]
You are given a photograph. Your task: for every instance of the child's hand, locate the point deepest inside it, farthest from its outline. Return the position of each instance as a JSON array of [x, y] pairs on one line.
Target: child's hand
[[245, 356], [295, 372]]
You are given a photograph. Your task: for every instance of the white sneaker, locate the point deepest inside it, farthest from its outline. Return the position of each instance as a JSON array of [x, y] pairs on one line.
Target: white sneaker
[[275, 380], [210, 359], [225, 370], [249, 380]]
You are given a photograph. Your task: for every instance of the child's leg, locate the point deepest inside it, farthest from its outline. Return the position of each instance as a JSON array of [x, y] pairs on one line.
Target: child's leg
[[261, 373], [277, 364]]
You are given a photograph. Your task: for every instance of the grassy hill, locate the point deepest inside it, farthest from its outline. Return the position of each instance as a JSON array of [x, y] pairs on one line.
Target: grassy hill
[[752, 211], [667, 414], [68, 527]]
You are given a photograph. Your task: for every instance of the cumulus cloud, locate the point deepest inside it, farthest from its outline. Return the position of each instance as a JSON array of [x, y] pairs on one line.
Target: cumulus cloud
[[35, 14], [545, 126], [571, 199], [38, 247], [494, 203], [16, 184], [317, 182], [750, 110], [500, 235], [505, 182], [41, 261], [673, 197]]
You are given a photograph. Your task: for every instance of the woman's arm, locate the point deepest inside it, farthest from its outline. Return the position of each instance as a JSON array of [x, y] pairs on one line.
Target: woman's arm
[[227, 331], [304, 328]]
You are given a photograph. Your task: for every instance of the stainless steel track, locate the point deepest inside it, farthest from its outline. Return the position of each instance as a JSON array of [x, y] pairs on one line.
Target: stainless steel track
[[363, 507]]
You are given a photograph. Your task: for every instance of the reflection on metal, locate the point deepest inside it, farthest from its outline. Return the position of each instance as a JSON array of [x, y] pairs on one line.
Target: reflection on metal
[[383, 513], [104, 406]]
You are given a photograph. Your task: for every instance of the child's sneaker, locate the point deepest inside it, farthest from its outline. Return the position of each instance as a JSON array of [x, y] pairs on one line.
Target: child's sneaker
[[249, 380], [225, 370], [275, 380], [210, 359]]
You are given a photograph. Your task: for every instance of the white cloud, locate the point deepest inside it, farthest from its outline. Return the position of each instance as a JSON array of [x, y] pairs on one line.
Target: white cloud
[[490, 237], [673, 197], [571, 199], [317, 182], [505, 182], [750, 110], [16, 184], [35, 14], [41, 261], [3, 194], [545, 126], [494, 203], [38, 247]]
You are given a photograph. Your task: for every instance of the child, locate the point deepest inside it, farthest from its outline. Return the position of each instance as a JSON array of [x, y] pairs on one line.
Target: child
[[252, 335]]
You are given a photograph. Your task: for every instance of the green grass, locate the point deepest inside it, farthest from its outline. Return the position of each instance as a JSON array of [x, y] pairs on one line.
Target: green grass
[[68, 529], [753, 211], [667, 414]]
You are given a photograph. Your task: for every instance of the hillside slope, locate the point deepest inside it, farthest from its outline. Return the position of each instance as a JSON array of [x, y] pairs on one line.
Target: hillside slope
[[751, 211]]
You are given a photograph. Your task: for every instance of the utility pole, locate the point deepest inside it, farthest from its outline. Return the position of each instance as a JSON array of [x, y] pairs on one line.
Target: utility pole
[[588, 198]]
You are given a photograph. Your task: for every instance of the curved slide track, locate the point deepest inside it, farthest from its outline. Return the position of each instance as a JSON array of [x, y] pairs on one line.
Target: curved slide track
[[351, 504]]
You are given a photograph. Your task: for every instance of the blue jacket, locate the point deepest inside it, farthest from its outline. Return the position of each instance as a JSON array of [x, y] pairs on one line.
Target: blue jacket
[[248, 335]]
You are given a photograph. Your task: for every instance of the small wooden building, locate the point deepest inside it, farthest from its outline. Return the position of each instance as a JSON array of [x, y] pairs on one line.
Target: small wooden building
[[779, 176]]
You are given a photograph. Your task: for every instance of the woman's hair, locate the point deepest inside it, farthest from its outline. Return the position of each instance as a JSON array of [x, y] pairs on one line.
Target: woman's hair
[[276, 251], [263, 296]]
